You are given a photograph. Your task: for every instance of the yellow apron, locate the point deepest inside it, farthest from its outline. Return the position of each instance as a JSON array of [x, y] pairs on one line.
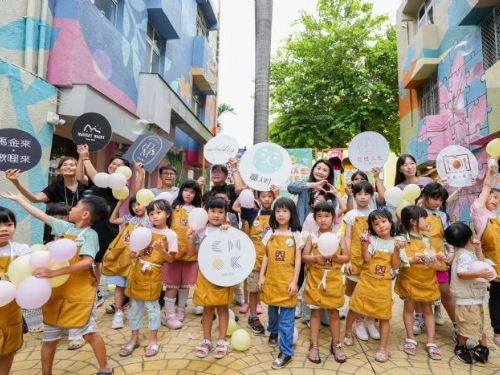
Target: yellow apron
[[256, 233], [324, 285], [70, 305], [180, 226], [11, 318], [280, 252], [145, 278], [116, 261], [208, 294], [417, 282], [436, 237], [359, 227], [373, 293], [491, 243]]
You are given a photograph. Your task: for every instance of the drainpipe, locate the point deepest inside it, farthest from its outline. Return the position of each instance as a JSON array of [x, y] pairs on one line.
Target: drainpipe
[[43, 36], [29, 35]]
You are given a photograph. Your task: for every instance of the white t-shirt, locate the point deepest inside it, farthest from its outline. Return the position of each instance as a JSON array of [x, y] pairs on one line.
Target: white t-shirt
[[299, 242], [351, 216], [18, 249]]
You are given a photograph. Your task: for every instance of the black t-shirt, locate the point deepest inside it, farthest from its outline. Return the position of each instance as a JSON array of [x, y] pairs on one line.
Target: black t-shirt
[[249, 214], [58, 192], [229, 189]]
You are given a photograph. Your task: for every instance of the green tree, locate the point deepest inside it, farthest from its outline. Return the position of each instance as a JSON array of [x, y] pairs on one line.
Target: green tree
[[336, 78], [221, 109]]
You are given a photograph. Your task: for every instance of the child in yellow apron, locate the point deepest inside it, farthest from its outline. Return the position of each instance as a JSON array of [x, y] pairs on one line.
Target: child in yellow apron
[[356, 225], [418, 282], [255, 223], [180, 276], [279, 275], [11, 317], [381, 262], [116, 261], [144, 283], [485, 216], [434, 197], [71, 305], [324, 287], [212, 297]]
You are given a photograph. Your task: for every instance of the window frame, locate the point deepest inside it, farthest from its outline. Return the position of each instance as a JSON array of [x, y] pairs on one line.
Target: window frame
[[428, 97], [490, 38], [202, 28], [114, 14], [153, 47], [427, 17]]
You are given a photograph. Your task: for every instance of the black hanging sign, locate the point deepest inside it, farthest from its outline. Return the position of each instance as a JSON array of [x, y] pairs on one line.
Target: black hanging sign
[[149, 149], [93, 130], [18, 150]]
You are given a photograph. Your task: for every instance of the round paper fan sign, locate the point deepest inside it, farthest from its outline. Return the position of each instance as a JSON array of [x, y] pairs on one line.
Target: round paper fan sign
[[457, 165], [368, 150]]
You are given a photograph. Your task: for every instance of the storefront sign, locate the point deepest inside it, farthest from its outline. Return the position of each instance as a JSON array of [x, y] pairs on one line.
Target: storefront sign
[[18, 150], [92, 129], [149, 149]]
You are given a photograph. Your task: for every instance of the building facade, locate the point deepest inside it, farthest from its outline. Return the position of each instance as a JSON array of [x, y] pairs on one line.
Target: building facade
[[142, 64], [449, 80]]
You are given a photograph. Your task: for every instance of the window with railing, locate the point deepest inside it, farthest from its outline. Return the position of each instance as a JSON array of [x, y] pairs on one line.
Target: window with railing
[[201, 23], [153, 50], [490, 35], [108, 8], [198, 103], [428, 97], [426, 13]]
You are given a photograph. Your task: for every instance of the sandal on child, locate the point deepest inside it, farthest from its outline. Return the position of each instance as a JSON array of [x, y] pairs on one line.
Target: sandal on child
[[338, 354], [382, 356], [128, 349], [434, 352], [221, 349], [76, 343], [204, 348], [151, 350], [410, 347], [349, 340], [313, 355]]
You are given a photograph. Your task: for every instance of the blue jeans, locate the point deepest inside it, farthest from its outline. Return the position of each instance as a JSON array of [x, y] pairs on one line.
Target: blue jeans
[[282, 322], [136, 314]]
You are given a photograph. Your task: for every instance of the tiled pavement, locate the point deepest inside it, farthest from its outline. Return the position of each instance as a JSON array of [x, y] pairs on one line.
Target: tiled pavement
[[177, 354]]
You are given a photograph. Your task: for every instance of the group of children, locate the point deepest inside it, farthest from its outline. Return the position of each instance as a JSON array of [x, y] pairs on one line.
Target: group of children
[[374, 250]]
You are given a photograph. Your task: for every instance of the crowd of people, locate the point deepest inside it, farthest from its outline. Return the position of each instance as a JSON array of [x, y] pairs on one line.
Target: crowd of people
[[416, 253]]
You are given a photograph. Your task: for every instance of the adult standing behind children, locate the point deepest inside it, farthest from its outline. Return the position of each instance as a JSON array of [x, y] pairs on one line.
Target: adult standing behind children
[[168, 176], [406, 173]]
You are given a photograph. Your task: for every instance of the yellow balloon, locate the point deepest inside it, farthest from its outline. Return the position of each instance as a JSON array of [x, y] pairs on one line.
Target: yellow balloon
[[121, 193], [58, 280], [231, 327], [125, 171], [39, 247], [493, 148], [145, 197], [111, 287], [19, 269], [411, 192], [241, 340], [402, 205]]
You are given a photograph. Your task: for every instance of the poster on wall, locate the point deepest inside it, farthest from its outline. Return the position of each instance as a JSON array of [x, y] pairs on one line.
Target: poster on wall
[[92, 129], [18, 150], [457, 165], [302, 161], [149, 149]]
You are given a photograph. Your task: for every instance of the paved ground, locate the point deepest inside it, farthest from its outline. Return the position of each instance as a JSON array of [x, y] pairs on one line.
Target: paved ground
[[177, 354]]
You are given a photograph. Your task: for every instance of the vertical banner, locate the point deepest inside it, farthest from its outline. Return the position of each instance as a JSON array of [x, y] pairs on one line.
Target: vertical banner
[[302, 161]]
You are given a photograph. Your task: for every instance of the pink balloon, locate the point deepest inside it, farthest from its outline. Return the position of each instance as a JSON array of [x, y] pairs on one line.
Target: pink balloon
[[39, 259], [7, 292], [33, 293], [140, 238], [62, 250], [247, 198]]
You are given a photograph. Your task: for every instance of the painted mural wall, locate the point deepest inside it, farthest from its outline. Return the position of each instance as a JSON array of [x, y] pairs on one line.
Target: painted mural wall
[[463, 112]]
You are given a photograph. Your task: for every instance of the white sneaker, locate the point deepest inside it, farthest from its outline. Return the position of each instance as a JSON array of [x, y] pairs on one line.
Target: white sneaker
[[438, 317], [372, 329], [418, 324], [360, 331], [298, 310], [117, 322], [170, 320], [198, 310]]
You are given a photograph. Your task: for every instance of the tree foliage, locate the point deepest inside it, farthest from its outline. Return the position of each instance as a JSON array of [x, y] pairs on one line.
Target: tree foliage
[[336, 78]]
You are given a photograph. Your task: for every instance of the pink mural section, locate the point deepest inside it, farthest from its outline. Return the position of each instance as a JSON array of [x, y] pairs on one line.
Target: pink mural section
[[79, 65]]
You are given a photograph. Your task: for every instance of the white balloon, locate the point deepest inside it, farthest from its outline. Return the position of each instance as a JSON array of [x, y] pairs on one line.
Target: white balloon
[[39, 259], [231, 314], [101, 180], [247, 198], [393, 196], [117, 181], [198, 218], [140, 238], [295, 335], [328, 244], [7, 292], [480, 265], [165, 195]]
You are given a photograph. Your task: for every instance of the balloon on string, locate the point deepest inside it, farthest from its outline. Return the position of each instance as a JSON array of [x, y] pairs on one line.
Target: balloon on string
[[125, 171], [231, 326], [61, 279], [231, 314], [62, 250], [393, 196], [117, 181], [33, 292], [493, 147], [19, 269], [328, 244], [411, 192], [38, 247], [145, 197], [7, 292], [241, 340], [140, 239], [247, 198], [121, 194], [198, 218], [166, 196], [101, 180], [39, 259], [479, 266], [295, 335], [400, 207]]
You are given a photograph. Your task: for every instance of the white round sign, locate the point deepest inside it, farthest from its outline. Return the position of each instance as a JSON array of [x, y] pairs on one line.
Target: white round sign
[[226, 257], [368, 150], [457, 165], [264, 165], [220, 149]]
